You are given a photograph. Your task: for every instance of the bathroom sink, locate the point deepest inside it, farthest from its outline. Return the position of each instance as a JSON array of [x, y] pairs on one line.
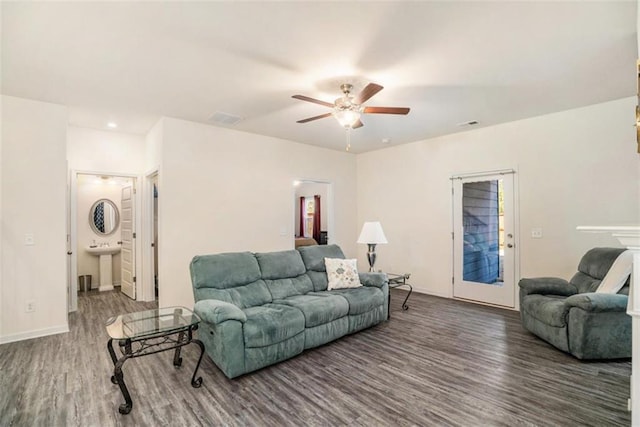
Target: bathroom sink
[[104, 250]]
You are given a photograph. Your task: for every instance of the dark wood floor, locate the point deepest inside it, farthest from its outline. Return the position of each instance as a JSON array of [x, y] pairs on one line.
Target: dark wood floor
[[443, 362]]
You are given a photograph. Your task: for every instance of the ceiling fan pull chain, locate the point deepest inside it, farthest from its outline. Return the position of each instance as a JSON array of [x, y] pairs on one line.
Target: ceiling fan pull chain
[[348, 128]]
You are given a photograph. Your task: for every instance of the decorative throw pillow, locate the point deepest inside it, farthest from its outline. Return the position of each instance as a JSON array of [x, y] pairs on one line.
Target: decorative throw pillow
[[617, 275], [342, 273]]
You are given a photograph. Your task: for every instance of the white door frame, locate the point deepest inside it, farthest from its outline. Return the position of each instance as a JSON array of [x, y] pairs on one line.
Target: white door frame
[[73, 231], [330, 204], [146, 286], [516, 229]]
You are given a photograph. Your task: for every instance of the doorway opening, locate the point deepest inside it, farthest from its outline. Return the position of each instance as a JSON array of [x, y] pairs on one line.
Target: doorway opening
[[313, 213], [102, 255], [149, 287]]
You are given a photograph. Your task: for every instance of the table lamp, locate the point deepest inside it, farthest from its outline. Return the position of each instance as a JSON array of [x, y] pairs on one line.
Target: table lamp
[[371, 235]]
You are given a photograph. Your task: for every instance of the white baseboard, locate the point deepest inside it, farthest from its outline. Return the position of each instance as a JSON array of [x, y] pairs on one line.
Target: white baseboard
[[428, 292], [103, 288], [61, 329]]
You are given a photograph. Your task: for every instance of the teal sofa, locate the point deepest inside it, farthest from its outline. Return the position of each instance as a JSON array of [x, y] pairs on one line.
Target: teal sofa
[[573, 317], [258, 309]]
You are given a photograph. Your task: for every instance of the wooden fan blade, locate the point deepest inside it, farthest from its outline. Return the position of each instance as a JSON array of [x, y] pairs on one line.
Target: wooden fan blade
[[310, 119], [386, 110], [315, 101], [357, 124], [369, 90]]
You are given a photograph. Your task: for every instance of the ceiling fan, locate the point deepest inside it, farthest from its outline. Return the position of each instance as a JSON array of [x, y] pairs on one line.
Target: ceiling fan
[[348, 108]]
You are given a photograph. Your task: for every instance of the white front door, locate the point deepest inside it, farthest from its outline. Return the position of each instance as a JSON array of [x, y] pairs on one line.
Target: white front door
[[483, 239], [128, 285]]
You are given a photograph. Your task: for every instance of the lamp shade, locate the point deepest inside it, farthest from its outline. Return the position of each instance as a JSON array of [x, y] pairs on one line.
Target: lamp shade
[[372, 233]]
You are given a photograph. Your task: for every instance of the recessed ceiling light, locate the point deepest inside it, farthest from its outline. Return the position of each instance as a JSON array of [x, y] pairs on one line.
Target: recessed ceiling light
[[112, 125]]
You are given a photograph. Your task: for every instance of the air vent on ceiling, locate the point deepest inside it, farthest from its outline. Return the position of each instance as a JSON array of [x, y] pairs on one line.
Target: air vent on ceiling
[[469, 123], [225, 119]]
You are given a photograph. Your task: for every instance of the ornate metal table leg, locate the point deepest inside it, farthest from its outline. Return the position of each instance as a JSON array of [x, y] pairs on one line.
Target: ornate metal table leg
[[112, 353], [125, 408], [197, 382], [404, 304], [177, 360]]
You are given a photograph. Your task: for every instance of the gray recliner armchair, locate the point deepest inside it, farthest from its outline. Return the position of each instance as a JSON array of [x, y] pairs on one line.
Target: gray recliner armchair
[[575, 319]]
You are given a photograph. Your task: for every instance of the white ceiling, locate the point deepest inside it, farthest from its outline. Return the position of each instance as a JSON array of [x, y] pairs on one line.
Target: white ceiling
[[451, 62]]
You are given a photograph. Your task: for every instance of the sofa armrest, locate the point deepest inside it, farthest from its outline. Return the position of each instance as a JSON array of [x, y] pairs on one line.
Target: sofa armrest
[[215, 311], [546, 286], [598, 302], [373, 279]]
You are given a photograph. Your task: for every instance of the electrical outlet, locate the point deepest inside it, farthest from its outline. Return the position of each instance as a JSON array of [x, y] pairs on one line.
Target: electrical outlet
[[30, 306], [536, 233], [29, 240]]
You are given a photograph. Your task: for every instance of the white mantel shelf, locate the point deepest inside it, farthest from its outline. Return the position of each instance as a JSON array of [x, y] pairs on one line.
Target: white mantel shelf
[[629, 236]]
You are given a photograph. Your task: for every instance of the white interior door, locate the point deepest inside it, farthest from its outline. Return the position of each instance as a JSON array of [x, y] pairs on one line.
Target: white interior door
[[483, 239], [128, 280]]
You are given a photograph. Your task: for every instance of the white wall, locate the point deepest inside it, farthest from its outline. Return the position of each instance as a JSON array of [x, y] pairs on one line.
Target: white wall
[[222, 190], [577, 167], [33, 177], [105, 151]]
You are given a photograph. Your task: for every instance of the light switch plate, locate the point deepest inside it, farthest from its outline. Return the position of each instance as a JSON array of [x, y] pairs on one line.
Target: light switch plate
[[536, 233], [29, 240]]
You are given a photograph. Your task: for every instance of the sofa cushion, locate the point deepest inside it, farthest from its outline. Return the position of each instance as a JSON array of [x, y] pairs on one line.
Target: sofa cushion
[[280, 265], [222, 271], [319, 280], [313, 256], [360, 300], [249, 295], [271, 323], [318, 310], [548, 309], [593, 267], [283, 288]]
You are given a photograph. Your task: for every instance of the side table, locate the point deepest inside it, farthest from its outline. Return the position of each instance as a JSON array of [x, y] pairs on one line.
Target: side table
[[396, 281], [149, 332]]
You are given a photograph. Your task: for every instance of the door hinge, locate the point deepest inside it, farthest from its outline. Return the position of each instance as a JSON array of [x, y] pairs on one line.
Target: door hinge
[[134, 279], [134, 234], [452, 234]]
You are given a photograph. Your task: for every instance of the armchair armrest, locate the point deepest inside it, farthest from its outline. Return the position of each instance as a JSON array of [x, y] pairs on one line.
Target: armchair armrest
[[598, 302], [215, 311], [373, 279], [546, 286]]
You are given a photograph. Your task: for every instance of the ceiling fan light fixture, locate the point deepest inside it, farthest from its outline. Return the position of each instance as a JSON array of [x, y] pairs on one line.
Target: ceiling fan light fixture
[[347, 118]]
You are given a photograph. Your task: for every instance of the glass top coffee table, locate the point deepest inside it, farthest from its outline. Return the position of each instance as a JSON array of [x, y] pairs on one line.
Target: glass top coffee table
[[149, 332]]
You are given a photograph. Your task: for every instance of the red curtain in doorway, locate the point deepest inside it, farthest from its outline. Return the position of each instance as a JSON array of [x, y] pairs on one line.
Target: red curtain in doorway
[[301, 234], [316, 218]]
